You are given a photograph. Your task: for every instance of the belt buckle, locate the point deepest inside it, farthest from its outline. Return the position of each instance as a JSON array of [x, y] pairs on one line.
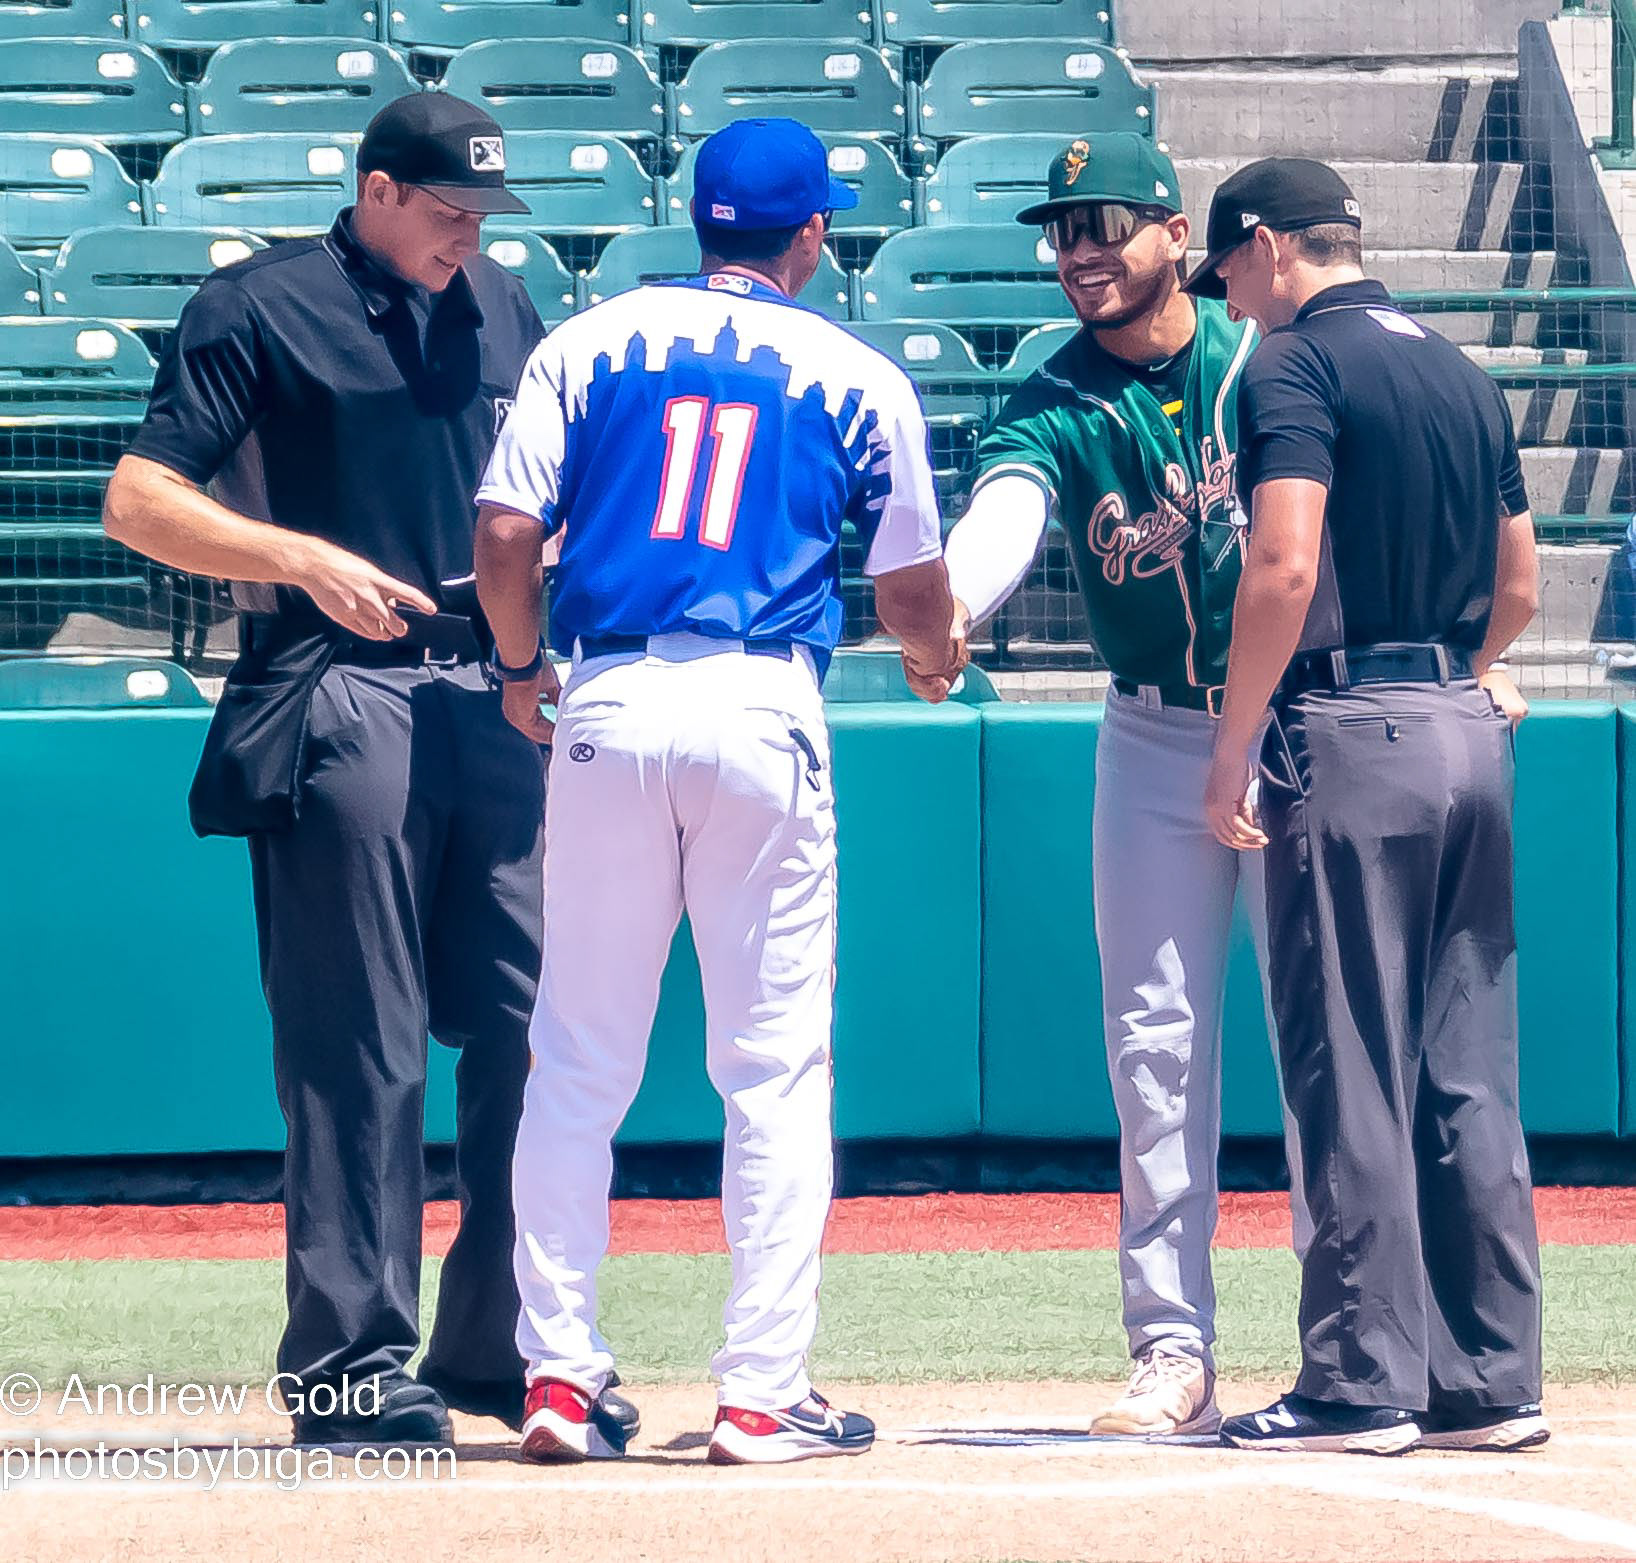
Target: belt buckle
[[434, 659], [1213, 697]]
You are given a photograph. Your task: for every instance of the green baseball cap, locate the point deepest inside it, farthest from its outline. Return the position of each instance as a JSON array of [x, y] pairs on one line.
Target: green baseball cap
[[1115, 165]]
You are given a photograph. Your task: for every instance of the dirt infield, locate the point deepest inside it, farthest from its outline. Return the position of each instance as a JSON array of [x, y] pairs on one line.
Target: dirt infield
[[933, 1223], [970, 1474]]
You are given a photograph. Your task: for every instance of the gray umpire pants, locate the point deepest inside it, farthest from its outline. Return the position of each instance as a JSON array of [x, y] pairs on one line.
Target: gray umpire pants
[[1393, 964], [1164, 890], [405, 900]]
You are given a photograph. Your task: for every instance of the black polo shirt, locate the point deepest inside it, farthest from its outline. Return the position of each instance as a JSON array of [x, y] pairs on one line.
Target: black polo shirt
[[1414, 443], [330, 397]]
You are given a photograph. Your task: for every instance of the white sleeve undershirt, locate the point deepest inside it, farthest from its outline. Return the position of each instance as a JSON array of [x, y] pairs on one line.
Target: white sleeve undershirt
[[993, 546]]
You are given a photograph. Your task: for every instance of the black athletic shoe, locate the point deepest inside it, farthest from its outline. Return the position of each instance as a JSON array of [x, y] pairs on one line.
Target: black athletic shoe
[[410, 1413], [504, 1399], [1503, 1428], [1322, 1426]]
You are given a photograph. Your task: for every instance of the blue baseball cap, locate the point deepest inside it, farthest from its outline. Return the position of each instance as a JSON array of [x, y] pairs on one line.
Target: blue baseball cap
[[764, 173]]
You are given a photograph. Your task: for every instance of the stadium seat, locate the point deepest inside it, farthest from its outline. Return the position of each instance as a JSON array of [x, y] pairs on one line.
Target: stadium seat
[[545, 84], [140, 277], [202, 24], [929, 353], [95, 684], [525, 254], [973, 274], [446, 26], [659, 254], [66, 19], [577, 183], [988, 179], [695, 24], [885, 193], [72, 393], [960, 21], [19, 284], [118, 92], [835, 88], [279, 185], [321, 86], [1030, 85], [1034, 349], [52, 185]]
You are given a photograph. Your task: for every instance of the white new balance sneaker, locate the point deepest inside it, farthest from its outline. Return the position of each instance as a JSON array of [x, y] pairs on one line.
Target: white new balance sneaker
[[1168, 1393]]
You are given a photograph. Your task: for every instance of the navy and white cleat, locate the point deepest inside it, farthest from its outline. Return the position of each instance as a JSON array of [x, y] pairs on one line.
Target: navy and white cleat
[[804, 1432]]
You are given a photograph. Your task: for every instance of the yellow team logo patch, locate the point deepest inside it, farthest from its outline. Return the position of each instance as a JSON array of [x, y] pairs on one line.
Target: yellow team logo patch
[[1075, 159]]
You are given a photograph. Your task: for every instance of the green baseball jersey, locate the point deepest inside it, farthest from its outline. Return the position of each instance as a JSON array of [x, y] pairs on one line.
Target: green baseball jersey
[[1138, 463]]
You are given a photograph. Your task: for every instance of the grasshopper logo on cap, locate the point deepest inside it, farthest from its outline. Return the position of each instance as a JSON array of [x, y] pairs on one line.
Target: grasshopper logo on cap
[[1074, 161]]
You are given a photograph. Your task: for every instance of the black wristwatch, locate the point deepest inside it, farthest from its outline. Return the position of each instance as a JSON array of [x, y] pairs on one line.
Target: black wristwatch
[[527, 672]]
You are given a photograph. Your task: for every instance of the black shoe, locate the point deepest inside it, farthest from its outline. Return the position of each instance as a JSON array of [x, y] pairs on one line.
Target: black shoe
[[1504, 1428], [623, 1411], [503, 1400], [409, 1413], [1322, 1426]]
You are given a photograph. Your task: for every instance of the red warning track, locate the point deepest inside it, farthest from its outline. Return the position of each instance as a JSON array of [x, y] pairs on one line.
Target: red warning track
[[932, 1223]]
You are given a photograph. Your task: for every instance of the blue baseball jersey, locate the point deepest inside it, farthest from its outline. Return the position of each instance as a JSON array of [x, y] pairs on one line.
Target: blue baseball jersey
[[702, 442]]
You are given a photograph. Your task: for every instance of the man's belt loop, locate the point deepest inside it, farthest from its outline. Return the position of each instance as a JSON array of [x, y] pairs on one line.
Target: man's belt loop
[[1338, 668], [1442, 653]]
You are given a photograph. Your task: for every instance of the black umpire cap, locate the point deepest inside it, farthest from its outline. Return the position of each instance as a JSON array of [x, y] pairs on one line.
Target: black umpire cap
[[445, 145], [1281, 193]]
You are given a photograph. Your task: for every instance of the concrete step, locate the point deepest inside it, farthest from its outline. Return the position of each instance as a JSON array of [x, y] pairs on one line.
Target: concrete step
[[1398, 113], [1580, 481], [1573, 582], [1460, 271], [1413, 206], [1176, 30]]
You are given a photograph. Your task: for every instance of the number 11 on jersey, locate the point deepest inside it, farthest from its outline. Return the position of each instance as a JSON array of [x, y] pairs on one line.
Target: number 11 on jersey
[[732, 427]]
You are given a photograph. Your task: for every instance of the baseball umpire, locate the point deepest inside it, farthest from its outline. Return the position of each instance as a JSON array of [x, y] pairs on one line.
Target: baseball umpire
[[343, 393], [1391, 562], [702, 442], [1129, 431]]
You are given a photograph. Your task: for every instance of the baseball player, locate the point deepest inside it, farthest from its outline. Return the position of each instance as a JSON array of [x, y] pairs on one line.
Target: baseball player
[[1128, 433], [702, 443]]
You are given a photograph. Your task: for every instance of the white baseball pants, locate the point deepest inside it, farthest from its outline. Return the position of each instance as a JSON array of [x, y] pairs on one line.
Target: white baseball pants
[[694, 776], [1164, 889]]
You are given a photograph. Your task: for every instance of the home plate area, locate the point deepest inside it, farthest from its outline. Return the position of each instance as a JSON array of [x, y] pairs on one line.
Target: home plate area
[[967, 1473]]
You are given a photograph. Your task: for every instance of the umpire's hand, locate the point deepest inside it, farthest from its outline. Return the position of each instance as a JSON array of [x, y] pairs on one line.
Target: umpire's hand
[[1505, 694], [521, 703], [358, 595]]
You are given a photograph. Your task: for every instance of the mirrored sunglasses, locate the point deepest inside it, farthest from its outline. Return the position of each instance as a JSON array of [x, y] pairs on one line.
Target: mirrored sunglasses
[[1106, 223]]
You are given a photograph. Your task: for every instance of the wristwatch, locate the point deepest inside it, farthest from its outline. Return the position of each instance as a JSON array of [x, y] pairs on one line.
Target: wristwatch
[[529, 671]]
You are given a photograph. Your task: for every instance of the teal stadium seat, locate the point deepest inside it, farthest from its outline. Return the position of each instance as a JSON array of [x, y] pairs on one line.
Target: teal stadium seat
[[324, 86], [447, 26], [660, 254], [280, 185], [62, 19], [203, 24], [928, 353], [988, 179], [1034, 349], [72, 393], [696, 24], [885, 192], [96, 684], [50, 186], [546, 84], [1030, 85], [140, 277], [19, 284], [577, 184], [118, 92], [840, 89], [525, 254], [960, 21], [964, 275]]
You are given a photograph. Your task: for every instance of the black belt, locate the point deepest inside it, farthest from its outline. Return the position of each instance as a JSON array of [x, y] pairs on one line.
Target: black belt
[[1186, 697], [456, 642], [623, 645], [1389, 663]]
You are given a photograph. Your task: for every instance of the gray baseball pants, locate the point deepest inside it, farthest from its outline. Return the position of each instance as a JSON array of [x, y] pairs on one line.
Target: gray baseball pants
[[1164, 890]]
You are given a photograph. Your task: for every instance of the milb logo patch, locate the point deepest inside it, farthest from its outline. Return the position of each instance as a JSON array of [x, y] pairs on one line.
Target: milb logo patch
[[486, 154]]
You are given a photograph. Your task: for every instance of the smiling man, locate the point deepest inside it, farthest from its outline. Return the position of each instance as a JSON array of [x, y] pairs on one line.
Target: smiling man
[[1129, 434]]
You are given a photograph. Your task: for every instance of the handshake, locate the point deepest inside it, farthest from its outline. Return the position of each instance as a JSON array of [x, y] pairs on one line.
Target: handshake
[[931, 667]]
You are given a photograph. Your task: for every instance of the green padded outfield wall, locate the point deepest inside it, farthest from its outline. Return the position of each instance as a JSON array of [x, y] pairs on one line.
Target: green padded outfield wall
[[1627, 915], [1043, 1069], [131, 1016]]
